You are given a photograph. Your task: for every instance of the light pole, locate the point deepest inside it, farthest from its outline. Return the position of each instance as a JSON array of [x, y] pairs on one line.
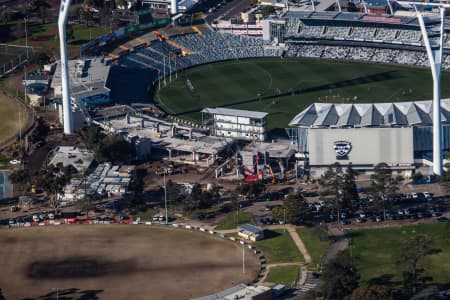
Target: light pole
[[165, 192], [243, 259], [284, 222], [26, 36]]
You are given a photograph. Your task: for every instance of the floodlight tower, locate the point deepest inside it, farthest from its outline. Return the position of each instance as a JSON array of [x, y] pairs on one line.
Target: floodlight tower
[[433, 38], [65, 79]]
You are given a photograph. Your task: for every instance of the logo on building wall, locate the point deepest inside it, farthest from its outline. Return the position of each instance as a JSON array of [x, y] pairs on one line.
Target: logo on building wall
[[342, 149]]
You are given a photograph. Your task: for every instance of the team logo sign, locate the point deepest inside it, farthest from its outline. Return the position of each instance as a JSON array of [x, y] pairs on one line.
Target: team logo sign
[[342, 149]]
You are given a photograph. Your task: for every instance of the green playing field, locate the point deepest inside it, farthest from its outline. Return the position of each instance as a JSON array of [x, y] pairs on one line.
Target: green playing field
[[284, 87]]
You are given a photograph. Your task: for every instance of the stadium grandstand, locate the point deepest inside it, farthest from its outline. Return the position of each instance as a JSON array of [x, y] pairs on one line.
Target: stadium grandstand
[[332, 35]]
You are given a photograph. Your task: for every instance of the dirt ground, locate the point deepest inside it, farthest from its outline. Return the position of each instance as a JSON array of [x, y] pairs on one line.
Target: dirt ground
[[118, 262]]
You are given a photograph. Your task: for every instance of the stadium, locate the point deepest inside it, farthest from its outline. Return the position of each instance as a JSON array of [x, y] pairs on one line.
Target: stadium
[[373, 62]]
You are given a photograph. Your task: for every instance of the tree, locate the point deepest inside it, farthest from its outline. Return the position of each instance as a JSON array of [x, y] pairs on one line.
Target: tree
[[75, 11], [445, 178], [86, 204], [5, 17], [372, 292], [69, 32], [122, 4], [115, 149], [43, 13], [86, 16], [340, 277], [137, 186], [21, 177], [294, 208], [1, 295], [253, 189], [18, 30], [338, 188], [39, 58], [383, 186], [411, 253], [267, 10]]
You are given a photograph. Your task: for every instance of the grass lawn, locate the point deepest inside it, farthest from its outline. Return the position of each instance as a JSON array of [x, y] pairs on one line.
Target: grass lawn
[[283, 275], [230, 221], [221, 84], [376, 250], [278, 247], [9, 117], [45, 36], [314, 244]]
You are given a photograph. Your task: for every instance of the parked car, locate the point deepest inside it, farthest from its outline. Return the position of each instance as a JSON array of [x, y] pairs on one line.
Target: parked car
[[442, 219], [428, 196], [345, 222], [35, 218]]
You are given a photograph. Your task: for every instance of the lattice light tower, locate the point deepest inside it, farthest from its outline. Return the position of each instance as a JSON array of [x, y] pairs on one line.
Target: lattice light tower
[[433, 38], [65, 79]]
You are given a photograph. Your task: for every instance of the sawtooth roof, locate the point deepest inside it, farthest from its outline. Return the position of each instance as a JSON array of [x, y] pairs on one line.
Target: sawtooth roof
[[418, 113]]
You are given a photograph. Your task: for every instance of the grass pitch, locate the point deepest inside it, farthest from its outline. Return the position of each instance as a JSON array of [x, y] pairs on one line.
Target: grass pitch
[[118, 262], [284, 87], [375, 251]]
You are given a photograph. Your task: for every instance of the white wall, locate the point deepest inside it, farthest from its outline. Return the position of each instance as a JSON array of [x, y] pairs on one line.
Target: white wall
[[369, 146]]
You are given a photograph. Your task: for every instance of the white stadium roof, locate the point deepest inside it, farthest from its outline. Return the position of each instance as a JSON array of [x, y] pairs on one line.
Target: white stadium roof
[[370, 114], [235, 112]]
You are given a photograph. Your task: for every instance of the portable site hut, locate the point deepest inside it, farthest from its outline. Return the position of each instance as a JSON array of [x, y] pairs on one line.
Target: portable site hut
[[251, 232]]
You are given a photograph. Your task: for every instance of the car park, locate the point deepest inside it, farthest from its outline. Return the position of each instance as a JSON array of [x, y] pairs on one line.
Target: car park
[[442, 219]]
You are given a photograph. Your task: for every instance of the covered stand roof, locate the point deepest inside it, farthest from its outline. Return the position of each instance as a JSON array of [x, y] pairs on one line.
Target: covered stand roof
[[235, 112], [417, 113]]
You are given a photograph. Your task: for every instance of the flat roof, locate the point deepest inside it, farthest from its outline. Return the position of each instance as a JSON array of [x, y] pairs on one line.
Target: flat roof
[[235, 112], [250, 228], [80, 159]]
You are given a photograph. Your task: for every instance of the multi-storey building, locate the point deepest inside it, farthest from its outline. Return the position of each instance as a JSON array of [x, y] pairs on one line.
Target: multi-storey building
[[241, 124]]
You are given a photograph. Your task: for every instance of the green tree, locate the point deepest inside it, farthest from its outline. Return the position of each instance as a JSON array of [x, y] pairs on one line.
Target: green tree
[[86, 204], [338, 188], [39, 58], [294, 208], [445, 178], [383, 186], [69, 32], [115, 149], [340, 277], [21, 177], [75, 11], [137, 186], [43, 13], [412, 252], [372, 292], [267, 10], [252, 190], [121, 4], [1, 295], [86, 16], [5, 17]]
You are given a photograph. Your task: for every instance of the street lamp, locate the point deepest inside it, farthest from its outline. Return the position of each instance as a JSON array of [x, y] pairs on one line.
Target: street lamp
[[165, 191], [26, 36]]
